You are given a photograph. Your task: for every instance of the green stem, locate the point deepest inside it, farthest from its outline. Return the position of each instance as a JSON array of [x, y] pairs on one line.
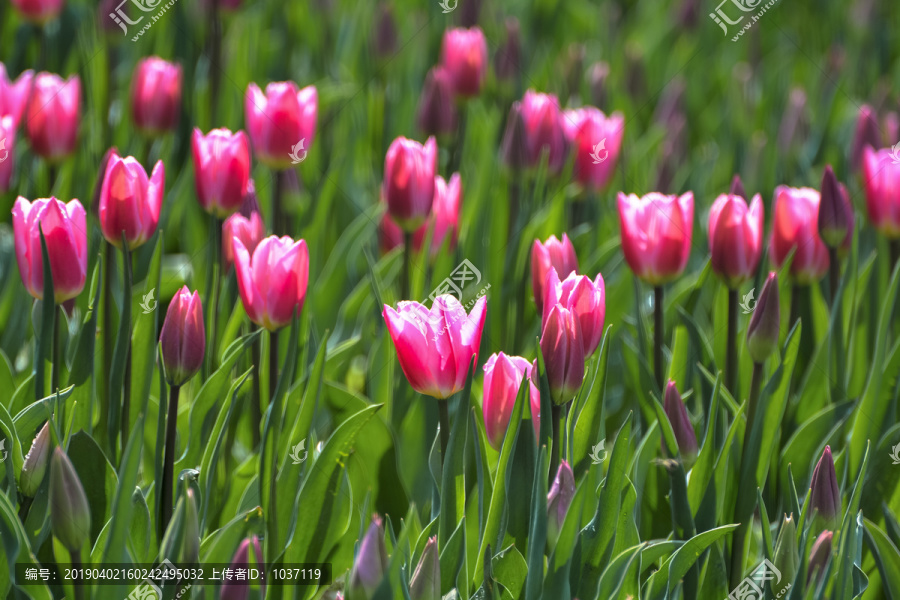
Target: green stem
[[458, 143], [126, 384], [658, 336], [76, 562], [108, 339], [279, 224], [24, 507], [894, 248], [56, 365], [168, 479], [834, 273], [731, 358], [212, 292], [405, 267], [273, 364], [444, 415], [555, 416], [255, 401]]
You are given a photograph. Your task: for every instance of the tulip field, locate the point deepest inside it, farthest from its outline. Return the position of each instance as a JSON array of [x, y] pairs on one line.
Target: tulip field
[[449, 300]]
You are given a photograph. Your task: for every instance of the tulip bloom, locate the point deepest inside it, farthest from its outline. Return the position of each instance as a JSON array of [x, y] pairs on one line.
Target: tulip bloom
[[247, 226], [273, 284], [437, 110], [881, 173], [435, 347], [552, 254], [563, 350], [597, 140], [7, 150], [65, 230], [444, 218], [281, 122], [464, 55], [221, 170], [156, 95], [543, 129], [183, 337], [735, 238], [586, 298], [678, 417], [656, 234], [38, 12], [408, 186], [129, 201], [796, 226], [52, 123], [14, 95], [502, 377]]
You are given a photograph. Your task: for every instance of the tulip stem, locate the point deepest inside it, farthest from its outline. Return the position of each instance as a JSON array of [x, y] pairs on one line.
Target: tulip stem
[[273, 364], [212, 291], [834, 273], [56, 364], [76, 562], [108, 341], [456, 153], [731, 358], [167, 484], [279, 220], [404, 268], [555, 416], [444, 415], [126, 383], [894, 248], [24, 507], [658, 335], [255, 405]]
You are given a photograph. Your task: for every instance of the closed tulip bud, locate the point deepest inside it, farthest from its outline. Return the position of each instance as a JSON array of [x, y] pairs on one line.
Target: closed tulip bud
[[502, 377], [881, 176], [678, 417], [765, 324], [281, 122], [562, 492], [464, 55], [796, 227], [70, 514], [469, 12], [35, 465], [14, 94], [65, 232], [221, 170], [735, 237], [444, 219], [426, 580], [824, 493], [514, 147], [249, 228], [39, 12], [819, 556], [552, 254], [371, 562], [437, 110], [656, 234], [435, 347], [190, 548], [7, 151], [52, 123], [183, 337], [543, 129], [737, 187], [586, 298], [563, 350], [787, 556], [596, 140], [866, 134], [240, 590], [273, 283], [408, 186], [795, 121], [509, 56], [891, 126], [597, 79], [834, 216], [385, 32], [130, 202], [156, 95]]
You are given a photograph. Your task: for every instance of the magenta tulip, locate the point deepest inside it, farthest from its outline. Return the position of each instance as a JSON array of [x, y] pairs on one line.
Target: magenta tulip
[[408, 186], [156, 95], [444, 219], [183, 337], [235, 589], [585, 298], [246, 226], [596, 140], [65, 230], [656, 234], [563, 350], [502, 377], [796, 227], [14, 94], [464, 55], [281, 122], [221, 170], [52, 116], [130, 202], [543, 129], [273, 283], [38, 12], [765, 324], [435, 347], [7, 150], [371, 563], [735, 238], [881, 175], [552, 254]]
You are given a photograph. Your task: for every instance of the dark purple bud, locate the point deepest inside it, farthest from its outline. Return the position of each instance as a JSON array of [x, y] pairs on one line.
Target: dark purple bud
[[240, 590], [470, 10], [506, 62], [681, 422], [562, 492], [597, 76], [737, 188], [385, 32], [765, 324], [867, 134], [426, 580], [514, 149], [833, 223], [437, 109], [794, 123], [70, 514], [825, 495], [818, 556]]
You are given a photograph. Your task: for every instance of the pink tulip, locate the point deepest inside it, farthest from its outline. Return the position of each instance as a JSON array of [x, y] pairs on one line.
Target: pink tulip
[[65, 231], [435, 347], [502, 377], [38, 12], [129, 201], [563, 350], [585, 298], [552, 254], [735, 238], [221, 170], [656, 234], [596, 140], [543, 129], [408, 186], [52, 122], [273, 284], [796, 227], [183, 337], [281, 122], [444, 218], [881, 174], [156, 95], [246, 225], [14, 95], [7, 150], [464, 55]]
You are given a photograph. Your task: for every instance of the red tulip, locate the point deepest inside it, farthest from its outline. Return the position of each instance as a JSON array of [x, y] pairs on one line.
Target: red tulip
[[552, 254], [735, 238], [444, 218], [281, 122], [502, 377], [464, 55], [597, 140], [435, 347], [156, 95], [273, 284], [249, 229], [65, 230], [183, 337], [52, 123], [881, 174], [129, 201], [437, 110], [656, 234], [221, 170], [586, 298], [796, 226], [38, 12], [563, 350], [543, 129], [7, 150], [408, 186], [14, 95]]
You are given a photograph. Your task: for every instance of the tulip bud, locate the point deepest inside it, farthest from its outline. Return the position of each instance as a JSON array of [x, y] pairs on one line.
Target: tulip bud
[[156, 95], [825, 495], [240, 590], [221, 170], [469, 12], [464, 55], [246, 225], [544, 130], [514, 147], [554, 254], [271, 297], [14, 94], [787, 556], [656, 234], [737, 187], [508, 57], [819, 556], [371, 562], [881, 176], [52, 123], [130, 202], [586, 298], [385, 32], [681, 422], [502, 377], [563, 350], [562, 492], [35, 465], [281, 122], [833, 224], [795, 227], [39, 12], [763, 330], [735, 236], [408, 186], [426, 580], [437, 109], [573, 68], [891, 125], [597, 76], [70, 514], [867, 134], [443, 222], [794, 123], [183, 337]]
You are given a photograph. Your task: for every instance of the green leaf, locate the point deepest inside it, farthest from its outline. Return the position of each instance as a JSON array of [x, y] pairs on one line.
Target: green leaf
[[704, 467], [510, 570], [44, 346], [887, 557], [613, 577], [453, 471], [537, 532], [589, 427], [120, 354], [664, 581], [17, 550], [144, 339]]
